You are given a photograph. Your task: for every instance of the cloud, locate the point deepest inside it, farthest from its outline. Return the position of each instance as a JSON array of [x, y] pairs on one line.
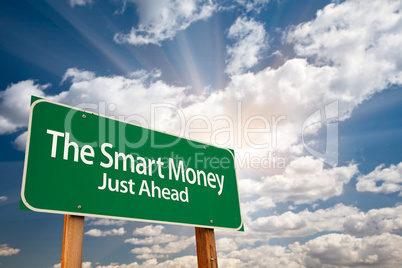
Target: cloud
[[14, 104], [86, 264], [74, 3], [133, 94], [149, 230], [100, 233], [331, 250], [107, 222], [340, 218], [151, 240], [160, 20], [77, 75], [375, 246], [181, 262], [304, 223], [250, 41], [263, 202], [293, 91], [359, 41], [253, 5], [375, 221], [263, 256], [344, 250], [381, 180], [156, 250], [151, 256], [303, 181], [5, 250], [21, 141], [155, 237], [226, 244]]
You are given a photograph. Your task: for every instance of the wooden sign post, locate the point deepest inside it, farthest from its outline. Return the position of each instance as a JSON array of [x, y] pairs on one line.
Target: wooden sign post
[[206, 249], [73, 235]]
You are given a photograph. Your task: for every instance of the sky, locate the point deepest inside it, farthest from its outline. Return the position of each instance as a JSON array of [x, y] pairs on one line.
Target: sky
[[307, 93]]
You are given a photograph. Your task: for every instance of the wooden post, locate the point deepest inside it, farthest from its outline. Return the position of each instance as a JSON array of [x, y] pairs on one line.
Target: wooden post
[[73, 235], [206, 249]]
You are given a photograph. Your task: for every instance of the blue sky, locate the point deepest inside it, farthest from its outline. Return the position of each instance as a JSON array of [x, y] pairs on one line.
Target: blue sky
[[319, 180]]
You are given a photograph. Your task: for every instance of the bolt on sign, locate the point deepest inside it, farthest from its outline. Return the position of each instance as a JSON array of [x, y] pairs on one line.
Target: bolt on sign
[[81, 163]]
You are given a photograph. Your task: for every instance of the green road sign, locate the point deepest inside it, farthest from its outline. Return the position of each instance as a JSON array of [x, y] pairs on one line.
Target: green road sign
[[78, 162]]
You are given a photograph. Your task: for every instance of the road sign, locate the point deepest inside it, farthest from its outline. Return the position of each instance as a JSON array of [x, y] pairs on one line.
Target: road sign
[[81, 163]]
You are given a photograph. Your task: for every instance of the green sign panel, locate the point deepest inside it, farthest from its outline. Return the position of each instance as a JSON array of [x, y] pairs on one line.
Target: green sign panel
[[78, 162]]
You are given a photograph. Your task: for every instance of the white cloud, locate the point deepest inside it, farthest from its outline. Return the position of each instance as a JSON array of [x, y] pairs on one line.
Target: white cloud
[[74, 3], [360, 41], [3, 198], [133, 94], [100, 233], [375, 221], [250, 40], [125, 98], [181, 262], [151, 256], [155, 237], [340, 250], [77, 75], [291, 92], [263, 256], [172, 247], [14, 104], [5, 250], [86, 264], [303, 181], [230, 262], [381, 180], [263, 202], [294, 90], [226, 244], [340, 218], [107, 222], [21, 141], [253, 5], [151, 240], [149, 230], [304, 223], [330, 251], [161, 20]]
